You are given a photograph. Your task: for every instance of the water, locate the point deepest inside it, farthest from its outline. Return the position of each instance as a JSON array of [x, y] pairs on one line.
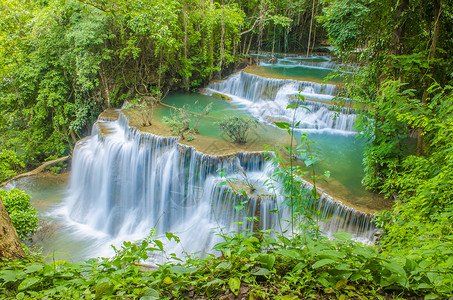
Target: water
[[267, 99], [125, 182], [55, 238], [113, 194]]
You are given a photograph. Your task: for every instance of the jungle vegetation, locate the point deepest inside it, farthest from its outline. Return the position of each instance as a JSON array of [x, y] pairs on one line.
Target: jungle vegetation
[[62, 62]]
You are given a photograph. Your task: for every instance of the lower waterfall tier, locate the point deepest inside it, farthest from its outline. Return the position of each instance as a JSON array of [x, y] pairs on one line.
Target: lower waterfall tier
[[125, 182]]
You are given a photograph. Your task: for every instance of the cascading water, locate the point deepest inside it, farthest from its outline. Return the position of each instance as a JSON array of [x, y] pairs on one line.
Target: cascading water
[[313, 61], [267, 100], [125, 182], [301, 63]]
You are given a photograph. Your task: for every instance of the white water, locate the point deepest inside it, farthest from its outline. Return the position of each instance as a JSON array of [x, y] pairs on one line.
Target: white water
[[267, 99], [313, 61], [124, 182], [288, 63]]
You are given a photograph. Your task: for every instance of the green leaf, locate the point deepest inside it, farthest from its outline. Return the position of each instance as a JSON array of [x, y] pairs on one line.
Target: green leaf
[[323, 262], [181, 269], [366, 252], [150, 294], [289, 253], [243, 193], [267, 260], [395, 268], [234, 283], [103, 289], [213, 282], [226, 265], [238, 207], [282, 125], [9, 275], [171, 235], [309, 162], [33, 268], [71, 266], [342, 236], [159, 244], [261, 272], [356, 277], [27, 283]]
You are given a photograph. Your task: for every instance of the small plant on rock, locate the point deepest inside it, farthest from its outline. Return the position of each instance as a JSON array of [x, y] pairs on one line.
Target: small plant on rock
[[237, 128], [143, 109]]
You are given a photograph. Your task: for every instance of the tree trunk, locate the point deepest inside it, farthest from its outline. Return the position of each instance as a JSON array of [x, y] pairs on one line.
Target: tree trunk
[[10, 246], [311, 27], [426, 80], [222, 41], [185, 65]]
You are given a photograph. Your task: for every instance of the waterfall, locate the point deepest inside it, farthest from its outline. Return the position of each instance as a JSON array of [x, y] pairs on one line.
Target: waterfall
[[125, 182], [300, 63], [278, 59], [267, 99]]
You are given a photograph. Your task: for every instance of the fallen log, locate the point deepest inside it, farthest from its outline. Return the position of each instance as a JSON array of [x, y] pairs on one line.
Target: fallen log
[[39, 169]]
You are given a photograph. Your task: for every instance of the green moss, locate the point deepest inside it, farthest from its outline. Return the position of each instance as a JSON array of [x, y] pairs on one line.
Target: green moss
[[221, 96]]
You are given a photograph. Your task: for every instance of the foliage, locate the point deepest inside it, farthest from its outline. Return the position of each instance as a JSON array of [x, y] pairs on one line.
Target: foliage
[[300, 197], [141, 110], [343, 21], [23, 215], [236, 128], [254, 264], [420, 223], [64, 61], [9, 164], [403, 82], [180, 120]]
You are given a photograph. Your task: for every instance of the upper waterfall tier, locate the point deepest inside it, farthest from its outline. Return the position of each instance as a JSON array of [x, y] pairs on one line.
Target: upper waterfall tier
[[312, 61], [254, 88], [268, 98]]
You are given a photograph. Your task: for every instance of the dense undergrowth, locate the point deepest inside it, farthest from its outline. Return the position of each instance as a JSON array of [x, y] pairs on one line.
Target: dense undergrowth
[[252, 266], [403, 53]]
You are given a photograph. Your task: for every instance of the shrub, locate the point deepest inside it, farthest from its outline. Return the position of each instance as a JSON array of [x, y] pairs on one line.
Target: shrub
[[236, 128], [9, 165], [180, 120], [23, 215]]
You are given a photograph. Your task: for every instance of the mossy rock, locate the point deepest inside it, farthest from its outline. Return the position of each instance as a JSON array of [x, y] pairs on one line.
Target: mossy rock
[[221, 96]]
